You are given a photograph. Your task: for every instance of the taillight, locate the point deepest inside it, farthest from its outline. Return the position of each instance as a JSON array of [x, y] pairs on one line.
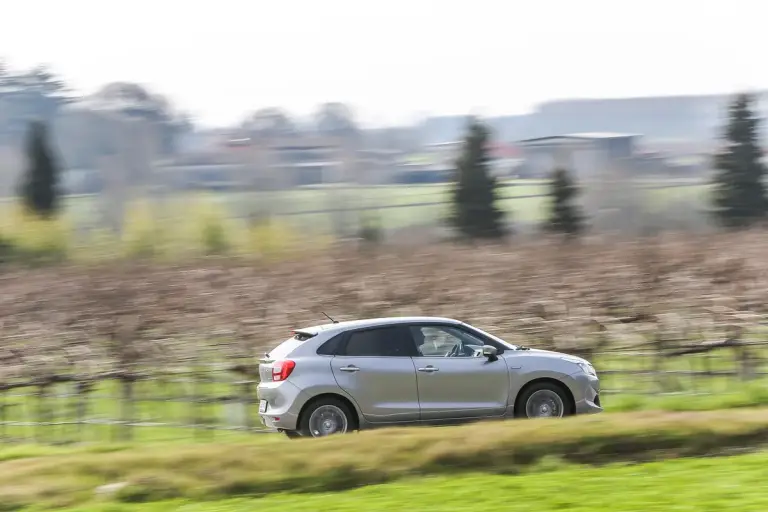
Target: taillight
[[282, 369]]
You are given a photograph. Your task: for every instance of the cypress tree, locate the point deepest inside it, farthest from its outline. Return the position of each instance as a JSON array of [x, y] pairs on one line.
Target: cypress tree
[[475, 214], [40, 186], [565, 216], [739, 189]]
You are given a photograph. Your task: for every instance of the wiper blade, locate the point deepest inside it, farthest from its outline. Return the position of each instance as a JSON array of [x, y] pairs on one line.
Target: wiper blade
[[523, 347]]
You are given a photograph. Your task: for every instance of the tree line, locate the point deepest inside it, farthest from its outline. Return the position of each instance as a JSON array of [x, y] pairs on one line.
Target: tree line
[[738, 198]]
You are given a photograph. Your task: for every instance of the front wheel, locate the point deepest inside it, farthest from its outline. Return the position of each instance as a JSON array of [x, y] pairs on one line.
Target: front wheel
[[325, 417], [543, 400]]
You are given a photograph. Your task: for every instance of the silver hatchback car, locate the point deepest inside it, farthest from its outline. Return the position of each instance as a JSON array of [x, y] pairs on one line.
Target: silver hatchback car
[[345, 376]]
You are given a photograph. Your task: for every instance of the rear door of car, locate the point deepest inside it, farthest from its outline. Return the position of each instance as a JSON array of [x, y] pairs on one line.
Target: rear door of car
[[375, 367]]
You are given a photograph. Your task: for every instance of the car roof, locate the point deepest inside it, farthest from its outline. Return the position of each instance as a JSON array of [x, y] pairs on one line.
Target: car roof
[[378, 322]]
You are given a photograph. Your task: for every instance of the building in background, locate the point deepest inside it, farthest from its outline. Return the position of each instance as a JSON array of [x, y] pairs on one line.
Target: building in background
[[675, 122], [585, 154]]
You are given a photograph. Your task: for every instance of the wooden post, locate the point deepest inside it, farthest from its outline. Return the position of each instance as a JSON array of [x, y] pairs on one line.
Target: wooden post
[[81, 407], [197, 412], [4, 415], [127, 408], [742, 359], [658, 366], [42, 412], [245, 397]]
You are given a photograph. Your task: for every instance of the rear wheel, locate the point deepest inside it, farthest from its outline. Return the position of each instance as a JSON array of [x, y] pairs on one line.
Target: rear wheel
[[325, 417], [543, 400]]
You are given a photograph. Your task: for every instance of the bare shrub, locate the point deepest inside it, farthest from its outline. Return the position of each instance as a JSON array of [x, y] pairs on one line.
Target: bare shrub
[[603, 292]]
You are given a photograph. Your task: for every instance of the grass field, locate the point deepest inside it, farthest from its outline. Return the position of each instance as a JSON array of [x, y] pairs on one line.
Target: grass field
[[560, 464], [396, 205], [701, 485], [196, 223]]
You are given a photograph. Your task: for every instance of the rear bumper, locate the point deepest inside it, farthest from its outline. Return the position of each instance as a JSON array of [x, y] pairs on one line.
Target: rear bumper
[[284, 401]]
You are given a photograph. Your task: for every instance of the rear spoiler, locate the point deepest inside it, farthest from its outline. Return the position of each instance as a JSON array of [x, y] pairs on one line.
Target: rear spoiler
[[297, 334], [303, 335]]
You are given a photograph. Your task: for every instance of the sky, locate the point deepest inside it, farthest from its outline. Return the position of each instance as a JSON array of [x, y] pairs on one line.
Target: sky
[[393, 61]]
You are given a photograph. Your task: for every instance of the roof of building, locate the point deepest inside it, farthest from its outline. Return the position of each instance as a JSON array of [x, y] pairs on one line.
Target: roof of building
[[449, 143], [583, 136]]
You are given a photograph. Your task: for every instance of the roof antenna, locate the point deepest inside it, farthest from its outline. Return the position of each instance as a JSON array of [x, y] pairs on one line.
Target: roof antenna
[[328, 317]]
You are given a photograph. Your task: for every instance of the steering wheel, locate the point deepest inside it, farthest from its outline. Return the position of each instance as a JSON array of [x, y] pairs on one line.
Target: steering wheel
[[457, 350]]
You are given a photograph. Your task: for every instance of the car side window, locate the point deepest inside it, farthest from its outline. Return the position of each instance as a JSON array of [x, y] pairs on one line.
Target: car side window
[[379, 342], [444, 341], [331, 347]]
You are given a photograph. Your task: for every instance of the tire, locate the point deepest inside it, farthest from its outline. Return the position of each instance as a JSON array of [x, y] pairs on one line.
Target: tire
[[327, 416], [542, 400], [292, 434]]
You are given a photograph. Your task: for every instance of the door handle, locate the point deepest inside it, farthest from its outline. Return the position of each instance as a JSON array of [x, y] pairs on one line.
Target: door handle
[[429, 369], [350, 369]]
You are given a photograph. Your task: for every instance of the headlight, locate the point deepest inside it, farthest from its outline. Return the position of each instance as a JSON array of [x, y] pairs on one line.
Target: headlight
[[588, 369]]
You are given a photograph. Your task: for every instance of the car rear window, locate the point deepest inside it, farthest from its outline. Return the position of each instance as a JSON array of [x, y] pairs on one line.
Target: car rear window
[[285, 348]]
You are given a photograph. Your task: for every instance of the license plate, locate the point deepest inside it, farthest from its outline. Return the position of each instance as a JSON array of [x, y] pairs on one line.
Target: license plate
[[262, 406]]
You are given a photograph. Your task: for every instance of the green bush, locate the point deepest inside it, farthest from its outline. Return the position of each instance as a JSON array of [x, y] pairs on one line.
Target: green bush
[[215, 239], [8, 250], [370, 231], [32, 240], [147, 235]]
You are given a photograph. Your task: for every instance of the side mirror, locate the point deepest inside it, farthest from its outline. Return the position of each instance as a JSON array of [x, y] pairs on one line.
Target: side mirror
[[490, 352]]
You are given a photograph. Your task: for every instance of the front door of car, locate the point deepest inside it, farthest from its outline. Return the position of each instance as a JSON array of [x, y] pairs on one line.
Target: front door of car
[[454, 380], [375, 367]]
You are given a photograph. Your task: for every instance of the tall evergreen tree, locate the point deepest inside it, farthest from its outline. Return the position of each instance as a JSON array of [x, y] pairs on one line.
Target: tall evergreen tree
[[40, 185], [475, 214], [565, 216], [740, 194]]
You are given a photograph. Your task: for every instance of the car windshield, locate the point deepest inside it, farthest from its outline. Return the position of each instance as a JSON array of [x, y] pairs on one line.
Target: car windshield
[[494, 338]]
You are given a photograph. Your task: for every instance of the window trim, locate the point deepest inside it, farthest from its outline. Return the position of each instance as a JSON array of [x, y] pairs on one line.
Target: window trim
[[342, 348], [459, 327]]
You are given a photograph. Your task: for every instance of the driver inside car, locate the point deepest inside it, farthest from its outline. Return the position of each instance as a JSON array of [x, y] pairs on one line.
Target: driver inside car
[[440, 343]]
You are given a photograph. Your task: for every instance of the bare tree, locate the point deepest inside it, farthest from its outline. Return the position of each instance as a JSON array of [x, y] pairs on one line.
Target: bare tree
[[336, 121]]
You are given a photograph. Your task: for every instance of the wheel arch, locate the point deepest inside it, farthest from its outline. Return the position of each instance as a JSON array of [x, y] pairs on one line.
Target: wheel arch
[[336, 396], [546, 380]]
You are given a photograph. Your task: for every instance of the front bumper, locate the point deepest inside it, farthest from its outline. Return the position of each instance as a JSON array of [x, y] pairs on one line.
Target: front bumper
[[588, 396]]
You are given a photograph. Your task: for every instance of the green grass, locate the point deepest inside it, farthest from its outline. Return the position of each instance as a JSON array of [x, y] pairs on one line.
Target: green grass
[[701, 485], [157, 472]]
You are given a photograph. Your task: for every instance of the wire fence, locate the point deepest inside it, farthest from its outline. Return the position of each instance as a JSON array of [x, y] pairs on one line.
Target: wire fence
[[120, 406], [217, 402], [445, 200]]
